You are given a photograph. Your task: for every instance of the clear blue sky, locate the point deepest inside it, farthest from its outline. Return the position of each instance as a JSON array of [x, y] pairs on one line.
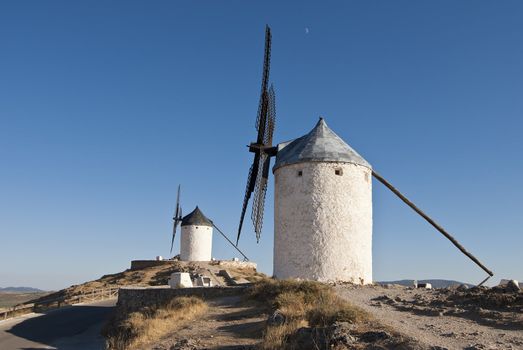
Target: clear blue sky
[[105, 107]]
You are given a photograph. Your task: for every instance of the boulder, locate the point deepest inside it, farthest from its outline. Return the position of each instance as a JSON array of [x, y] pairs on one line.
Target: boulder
[[462, 287], [512, 286], [339, 334], [373, 336]]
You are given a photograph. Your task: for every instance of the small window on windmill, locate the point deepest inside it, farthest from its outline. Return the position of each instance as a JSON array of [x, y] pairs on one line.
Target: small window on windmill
[[300, 172], [338, 171]]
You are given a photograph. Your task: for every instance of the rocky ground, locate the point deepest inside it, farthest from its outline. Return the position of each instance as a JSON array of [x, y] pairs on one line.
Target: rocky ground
[[401, 318], [450, 318], [437, 319], [232, 324]]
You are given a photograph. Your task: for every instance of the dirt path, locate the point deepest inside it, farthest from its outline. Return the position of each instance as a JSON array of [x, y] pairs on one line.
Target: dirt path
[[449, 332], [228, 325]]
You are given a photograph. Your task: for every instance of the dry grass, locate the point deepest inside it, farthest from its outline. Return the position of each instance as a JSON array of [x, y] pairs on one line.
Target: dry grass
[[303, 304], [141, 328]]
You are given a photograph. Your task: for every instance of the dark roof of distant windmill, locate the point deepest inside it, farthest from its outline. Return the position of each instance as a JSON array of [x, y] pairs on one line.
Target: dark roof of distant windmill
[[196, 218], [321, 144]]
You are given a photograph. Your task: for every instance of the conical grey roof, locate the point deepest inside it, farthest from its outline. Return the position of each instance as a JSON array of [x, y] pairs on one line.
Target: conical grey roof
[[321, 144], [196, 218]]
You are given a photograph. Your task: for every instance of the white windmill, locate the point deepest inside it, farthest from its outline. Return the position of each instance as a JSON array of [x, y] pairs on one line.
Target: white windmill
[[322, 199], [196, 236]]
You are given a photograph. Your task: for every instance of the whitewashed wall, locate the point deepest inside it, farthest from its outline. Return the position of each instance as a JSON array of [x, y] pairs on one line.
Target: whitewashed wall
[[323, 222], [196, 243]]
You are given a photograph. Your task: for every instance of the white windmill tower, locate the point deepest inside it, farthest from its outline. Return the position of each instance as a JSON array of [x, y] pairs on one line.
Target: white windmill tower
[[196, 237], [197, 234], [322, 200], [322, 209]]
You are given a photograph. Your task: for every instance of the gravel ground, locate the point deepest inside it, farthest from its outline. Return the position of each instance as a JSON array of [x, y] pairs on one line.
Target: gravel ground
[[486, 318]]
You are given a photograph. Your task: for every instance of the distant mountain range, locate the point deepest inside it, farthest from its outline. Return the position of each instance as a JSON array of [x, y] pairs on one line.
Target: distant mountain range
[[20, 290], [436, 283]]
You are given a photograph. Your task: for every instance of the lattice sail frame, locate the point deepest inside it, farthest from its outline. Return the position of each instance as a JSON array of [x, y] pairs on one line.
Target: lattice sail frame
[[260, 189], [257, 179]]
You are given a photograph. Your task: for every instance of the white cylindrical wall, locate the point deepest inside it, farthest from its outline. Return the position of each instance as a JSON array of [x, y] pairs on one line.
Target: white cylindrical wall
[[323, 222], [196, 243]]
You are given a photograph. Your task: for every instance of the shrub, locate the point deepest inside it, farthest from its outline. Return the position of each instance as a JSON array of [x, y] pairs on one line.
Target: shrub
[[304, 304], [150, 324]]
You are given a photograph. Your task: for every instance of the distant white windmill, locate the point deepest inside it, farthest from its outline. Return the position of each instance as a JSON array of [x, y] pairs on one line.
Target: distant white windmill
[[196, 236]]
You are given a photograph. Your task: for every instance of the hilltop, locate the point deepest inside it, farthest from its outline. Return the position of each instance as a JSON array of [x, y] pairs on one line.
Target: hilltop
[[154, 276]]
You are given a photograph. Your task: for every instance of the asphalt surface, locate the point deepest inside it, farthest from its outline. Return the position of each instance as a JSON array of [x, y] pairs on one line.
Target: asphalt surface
[[76, 327]]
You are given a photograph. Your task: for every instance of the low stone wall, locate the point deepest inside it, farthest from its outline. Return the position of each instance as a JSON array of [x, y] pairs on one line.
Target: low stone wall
[[235, 264], [134, 298], [143, 264]]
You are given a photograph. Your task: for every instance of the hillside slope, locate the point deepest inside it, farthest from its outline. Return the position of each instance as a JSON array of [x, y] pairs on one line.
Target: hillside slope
[[152, 276]]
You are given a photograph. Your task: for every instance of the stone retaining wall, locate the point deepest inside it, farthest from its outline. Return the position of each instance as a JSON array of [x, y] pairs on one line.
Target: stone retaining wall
[[142, 264]]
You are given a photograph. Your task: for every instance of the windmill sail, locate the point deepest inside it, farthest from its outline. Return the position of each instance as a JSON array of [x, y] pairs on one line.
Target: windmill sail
[[257, 179], [177, 217]]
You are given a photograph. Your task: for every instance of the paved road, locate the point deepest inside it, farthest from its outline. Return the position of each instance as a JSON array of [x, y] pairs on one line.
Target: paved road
[[77, 327]]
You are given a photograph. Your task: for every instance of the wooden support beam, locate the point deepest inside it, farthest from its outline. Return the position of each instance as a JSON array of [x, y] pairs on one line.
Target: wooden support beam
[[245, 258], [430, 221]]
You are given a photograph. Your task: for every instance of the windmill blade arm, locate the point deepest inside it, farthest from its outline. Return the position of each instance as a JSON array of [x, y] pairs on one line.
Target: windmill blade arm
[[175, 227], [432, 222], [265, 75], [177, 212], [262, 117], [260, 190], [271, 117], [172, 240], [251, 181], [266, 58]]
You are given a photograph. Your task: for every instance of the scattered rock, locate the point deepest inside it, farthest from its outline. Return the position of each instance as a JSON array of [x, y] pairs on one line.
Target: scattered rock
[[512, 286], [449, 335], [276, 319], [377, 304], [475, 347], [185, 344], [339, 333], [385, 299], [371, 337], [462, 287]]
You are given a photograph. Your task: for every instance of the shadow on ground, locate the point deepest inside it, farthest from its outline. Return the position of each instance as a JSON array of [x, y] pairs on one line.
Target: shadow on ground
[[75, 327]]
